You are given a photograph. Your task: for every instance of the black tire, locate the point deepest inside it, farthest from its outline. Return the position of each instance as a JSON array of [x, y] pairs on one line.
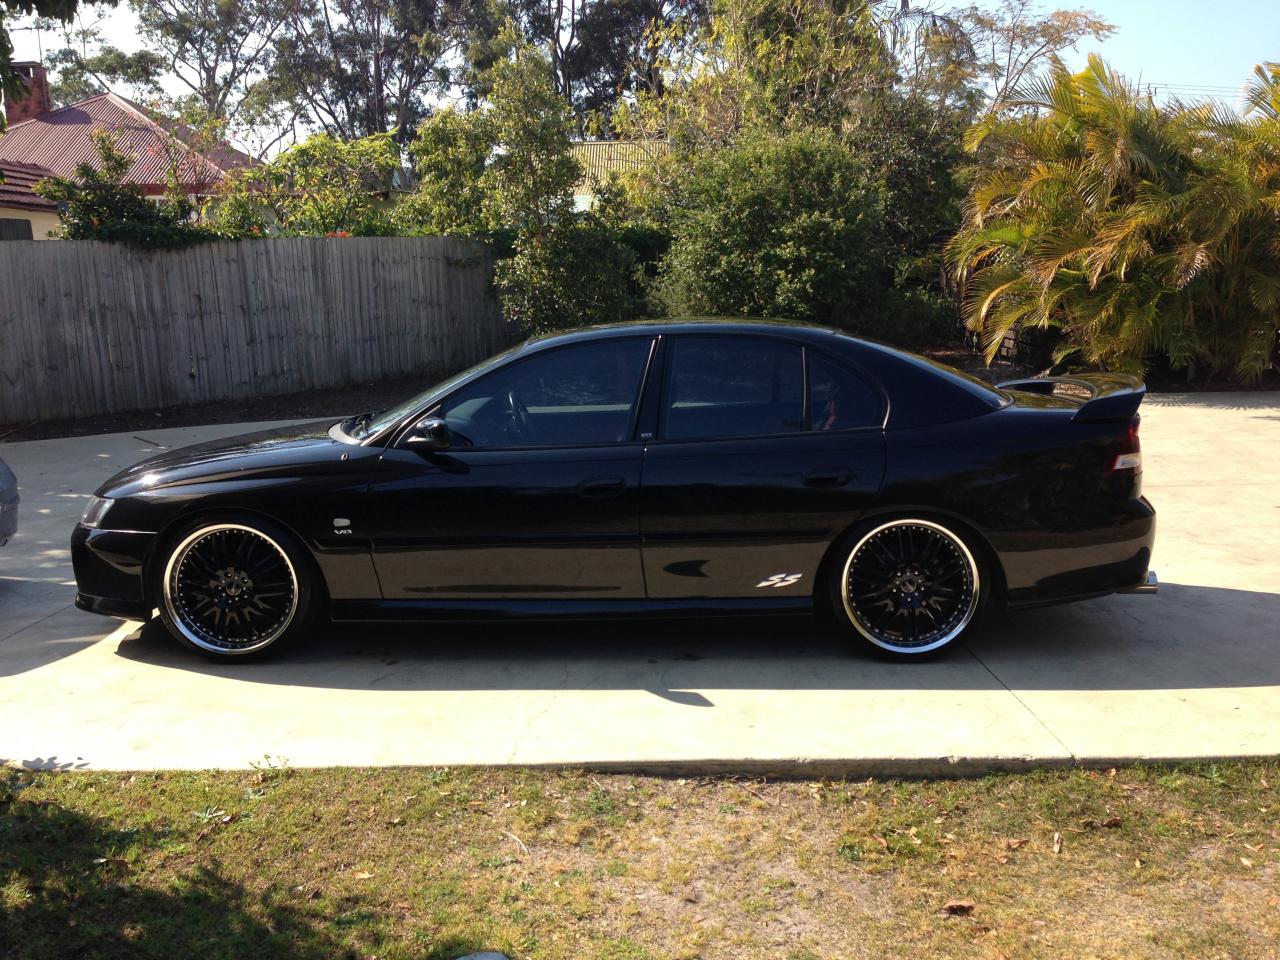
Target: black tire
[[235, 588], [906, 588]]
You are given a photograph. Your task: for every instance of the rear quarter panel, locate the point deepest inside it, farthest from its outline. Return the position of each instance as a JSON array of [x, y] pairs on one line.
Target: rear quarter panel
[[1039, 491]]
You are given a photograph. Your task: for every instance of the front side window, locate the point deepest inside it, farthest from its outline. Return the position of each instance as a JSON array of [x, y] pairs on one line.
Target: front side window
[[575, 395], [733, 387]]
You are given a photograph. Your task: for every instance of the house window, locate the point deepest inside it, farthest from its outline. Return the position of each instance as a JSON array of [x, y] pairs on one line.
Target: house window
[[12, 228]]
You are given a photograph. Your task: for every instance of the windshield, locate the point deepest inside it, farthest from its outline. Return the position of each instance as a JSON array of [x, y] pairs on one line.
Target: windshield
[[371, 424]]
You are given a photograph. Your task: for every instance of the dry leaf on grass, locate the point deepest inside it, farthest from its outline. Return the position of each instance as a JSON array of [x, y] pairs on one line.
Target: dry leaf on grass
[[1014, 844], [1246, 862], [1057, 842], [362, 875], [957, 908]]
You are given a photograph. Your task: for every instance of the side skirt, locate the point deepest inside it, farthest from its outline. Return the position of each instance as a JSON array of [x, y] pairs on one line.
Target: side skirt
[[488, 610]]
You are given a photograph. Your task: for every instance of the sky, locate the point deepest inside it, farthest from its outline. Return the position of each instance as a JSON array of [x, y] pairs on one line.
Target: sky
[[1183, 47], [1187, 46]]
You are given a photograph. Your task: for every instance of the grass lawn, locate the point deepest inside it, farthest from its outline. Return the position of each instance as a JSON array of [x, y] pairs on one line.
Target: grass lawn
[[432, 863]]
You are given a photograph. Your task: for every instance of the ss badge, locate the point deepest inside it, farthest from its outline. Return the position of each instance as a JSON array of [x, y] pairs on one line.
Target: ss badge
[[780, 580]]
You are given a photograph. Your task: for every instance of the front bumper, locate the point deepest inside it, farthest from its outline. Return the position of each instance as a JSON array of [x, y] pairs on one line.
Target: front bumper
[[109, 567], [8, 519]]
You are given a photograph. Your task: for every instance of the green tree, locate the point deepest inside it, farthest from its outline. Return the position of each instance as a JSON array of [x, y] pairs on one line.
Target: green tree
[[1133, 228], [531, 174], [450, 152], [354, 68], [507, 169], [98, 205], [1013, 40], [508, 163], [778, 226], [761, 64], [321, 187]]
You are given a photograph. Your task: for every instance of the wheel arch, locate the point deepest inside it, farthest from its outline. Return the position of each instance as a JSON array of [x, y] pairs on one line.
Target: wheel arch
[[988, 557], [164, 538]]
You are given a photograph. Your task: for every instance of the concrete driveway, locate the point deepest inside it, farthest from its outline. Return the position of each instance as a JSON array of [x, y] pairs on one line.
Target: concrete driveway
[[1194, 672]]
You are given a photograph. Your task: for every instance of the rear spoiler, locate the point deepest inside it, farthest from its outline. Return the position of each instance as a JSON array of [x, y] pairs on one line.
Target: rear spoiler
[[1105, 396]]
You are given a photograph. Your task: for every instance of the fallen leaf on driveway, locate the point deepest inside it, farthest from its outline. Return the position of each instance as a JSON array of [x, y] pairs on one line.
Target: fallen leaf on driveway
[[957, 908]]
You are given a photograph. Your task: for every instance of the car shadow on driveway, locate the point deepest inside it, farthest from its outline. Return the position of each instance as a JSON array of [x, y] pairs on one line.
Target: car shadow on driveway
[[1186, 638]]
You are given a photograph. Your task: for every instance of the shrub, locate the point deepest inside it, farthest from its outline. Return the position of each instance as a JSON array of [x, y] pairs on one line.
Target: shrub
[[574, 275], [780, 226], [321, 187], [99, 205]]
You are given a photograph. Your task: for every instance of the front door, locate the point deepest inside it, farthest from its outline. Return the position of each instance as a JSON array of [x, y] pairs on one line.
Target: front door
[[766, 450], [537, 496]]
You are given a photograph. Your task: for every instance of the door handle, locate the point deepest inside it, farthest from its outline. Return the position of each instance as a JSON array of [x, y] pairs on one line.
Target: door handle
[[602, 487], [827, 478]]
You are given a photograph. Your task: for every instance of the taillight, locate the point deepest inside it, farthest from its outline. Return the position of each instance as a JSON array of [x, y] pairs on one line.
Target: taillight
[[1130, 458]]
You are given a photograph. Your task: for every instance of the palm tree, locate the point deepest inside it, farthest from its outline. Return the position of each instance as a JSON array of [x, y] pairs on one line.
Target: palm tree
[[1134, 228]]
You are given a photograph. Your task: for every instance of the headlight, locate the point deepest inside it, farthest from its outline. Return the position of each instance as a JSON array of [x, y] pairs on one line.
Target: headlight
[[96, 511]]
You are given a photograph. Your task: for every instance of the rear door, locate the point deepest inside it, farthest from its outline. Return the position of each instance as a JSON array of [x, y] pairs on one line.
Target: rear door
[[765, 450]]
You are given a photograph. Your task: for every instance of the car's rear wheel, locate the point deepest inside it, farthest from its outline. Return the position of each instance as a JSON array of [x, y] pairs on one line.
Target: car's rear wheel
[[907, 588], [235, 588]]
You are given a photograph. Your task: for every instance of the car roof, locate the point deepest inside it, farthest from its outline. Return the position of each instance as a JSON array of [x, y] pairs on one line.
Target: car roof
[[678, 325]]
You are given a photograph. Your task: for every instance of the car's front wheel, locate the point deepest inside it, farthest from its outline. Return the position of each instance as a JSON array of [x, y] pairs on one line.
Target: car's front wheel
[[906, 588], [235, 588]]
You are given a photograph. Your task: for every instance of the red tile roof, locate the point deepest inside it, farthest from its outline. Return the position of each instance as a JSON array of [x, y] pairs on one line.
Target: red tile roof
[[16, 181], [62, 139]]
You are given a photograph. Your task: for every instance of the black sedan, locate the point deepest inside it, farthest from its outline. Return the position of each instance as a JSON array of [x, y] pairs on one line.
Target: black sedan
[[8, 503], [679, 468]]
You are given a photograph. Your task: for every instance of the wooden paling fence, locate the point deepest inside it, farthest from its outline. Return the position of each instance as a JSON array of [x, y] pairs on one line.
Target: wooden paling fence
[[90, 328]]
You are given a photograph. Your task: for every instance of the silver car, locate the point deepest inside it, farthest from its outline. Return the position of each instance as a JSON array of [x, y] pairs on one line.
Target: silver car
[[8, 504]]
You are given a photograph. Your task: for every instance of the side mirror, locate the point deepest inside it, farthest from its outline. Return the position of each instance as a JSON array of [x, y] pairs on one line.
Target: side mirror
[[430, 432]]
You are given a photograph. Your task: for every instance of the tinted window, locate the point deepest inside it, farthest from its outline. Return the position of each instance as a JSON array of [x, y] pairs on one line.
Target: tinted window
[[839, 399], [583, 394], [733, 387]]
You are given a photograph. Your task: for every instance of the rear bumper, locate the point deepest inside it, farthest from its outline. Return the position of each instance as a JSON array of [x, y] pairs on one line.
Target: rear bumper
[[1114, 557], [109, 568], [1148, 588]]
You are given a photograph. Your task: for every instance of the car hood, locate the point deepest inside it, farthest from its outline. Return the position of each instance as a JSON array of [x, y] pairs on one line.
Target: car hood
[[265, 451]]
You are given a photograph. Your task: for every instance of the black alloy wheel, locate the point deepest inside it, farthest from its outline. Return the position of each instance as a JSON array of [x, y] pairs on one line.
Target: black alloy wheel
[[232, 589], [910, 587]]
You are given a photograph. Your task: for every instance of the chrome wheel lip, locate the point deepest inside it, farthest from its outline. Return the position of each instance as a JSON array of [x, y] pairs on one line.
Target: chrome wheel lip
[[951, 634], [176, 557]]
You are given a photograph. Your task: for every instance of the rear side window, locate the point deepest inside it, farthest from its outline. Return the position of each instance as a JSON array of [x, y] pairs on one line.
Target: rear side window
[[839, 399], [733, 387]]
